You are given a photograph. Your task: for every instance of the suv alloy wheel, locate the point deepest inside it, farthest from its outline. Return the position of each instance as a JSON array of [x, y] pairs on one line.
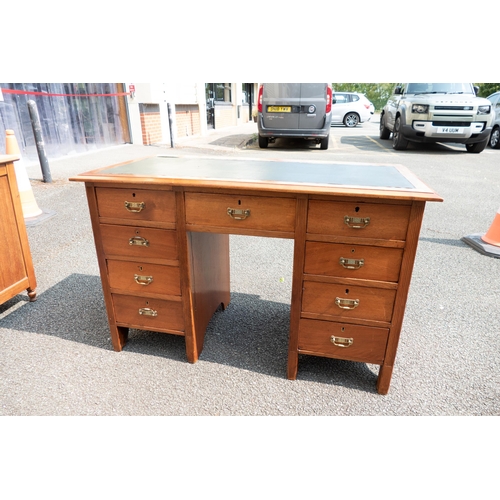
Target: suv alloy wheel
[[385, 133], [495, 138], [398, 141], [351, 120]]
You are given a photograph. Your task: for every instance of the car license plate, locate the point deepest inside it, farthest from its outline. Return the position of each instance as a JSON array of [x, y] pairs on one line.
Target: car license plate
[[450, 130], [279, 109]]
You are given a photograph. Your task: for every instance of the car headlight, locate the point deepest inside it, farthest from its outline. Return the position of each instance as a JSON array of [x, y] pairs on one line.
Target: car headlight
[[420, 108], [484, 110]]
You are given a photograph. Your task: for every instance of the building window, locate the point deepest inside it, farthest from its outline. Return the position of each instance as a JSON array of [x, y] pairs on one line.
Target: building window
[[218, 93]]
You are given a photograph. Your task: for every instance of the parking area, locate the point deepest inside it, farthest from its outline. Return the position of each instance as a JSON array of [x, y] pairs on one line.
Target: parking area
[[57, 359]]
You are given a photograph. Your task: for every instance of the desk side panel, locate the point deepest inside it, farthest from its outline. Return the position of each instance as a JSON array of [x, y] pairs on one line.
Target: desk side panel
[[119, 334], [210, 282]]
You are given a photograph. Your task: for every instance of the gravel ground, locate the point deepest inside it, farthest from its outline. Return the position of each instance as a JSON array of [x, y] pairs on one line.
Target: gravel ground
[[57, 359]]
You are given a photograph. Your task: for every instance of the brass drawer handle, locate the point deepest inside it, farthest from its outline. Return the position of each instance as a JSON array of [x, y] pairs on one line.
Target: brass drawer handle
[[138, 241], [346, 303], [341, 341], [147, 311], [357, 222], [135, 206], [238, 214], [351, 263], [143, 280]]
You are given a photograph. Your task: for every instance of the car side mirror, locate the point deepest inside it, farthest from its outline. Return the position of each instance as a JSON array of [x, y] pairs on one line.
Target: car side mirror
[[476, 89], [398, 90]]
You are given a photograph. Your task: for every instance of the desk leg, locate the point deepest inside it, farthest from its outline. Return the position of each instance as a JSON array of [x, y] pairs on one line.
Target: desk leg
[[119, 337], [384, 379], [298, 267]]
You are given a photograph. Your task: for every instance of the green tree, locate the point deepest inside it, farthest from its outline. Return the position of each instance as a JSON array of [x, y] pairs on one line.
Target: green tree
[[486, 89]]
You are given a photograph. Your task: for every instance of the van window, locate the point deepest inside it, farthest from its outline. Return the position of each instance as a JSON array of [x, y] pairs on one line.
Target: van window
[[281, 90]]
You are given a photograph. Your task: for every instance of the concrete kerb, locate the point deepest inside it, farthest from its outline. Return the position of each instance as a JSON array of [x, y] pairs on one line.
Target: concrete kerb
[[237, 137]]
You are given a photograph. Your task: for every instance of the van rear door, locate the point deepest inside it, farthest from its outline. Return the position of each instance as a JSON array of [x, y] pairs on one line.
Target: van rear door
[[312, 105], [281, 105]]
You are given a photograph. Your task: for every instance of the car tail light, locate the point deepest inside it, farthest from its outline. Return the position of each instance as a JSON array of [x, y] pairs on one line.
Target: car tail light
[[329, 97], [367, 106], [259, 99]]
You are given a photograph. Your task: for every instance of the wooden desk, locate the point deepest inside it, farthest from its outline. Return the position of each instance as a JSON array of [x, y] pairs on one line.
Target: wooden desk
[[161, 229], [16, 265]]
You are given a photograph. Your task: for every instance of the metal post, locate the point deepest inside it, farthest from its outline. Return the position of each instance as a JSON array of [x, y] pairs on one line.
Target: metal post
[[170, 125], [37, 132]]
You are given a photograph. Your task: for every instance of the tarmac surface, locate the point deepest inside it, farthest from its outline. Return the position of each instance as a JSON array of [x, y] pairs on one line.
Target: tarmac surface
[[56, 357]]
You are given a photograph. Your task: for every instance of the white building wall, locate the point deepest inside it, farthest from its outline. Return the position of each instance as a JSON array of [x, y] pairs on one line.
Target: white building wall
[[175, 93]]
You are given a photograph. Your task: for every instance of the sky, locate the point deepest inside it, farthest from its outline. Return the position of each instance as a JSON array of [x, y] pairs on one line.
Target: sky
[[261, 41]]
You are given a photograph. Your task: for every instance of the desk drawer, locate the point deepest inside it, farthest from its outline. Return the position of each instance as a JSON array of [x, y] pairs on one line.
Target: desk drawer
[[136, 204], [343, 341], [156, 314], [138, 277], [248, 212], [139, 242], [346, 301], [363, 220], [353, 261]]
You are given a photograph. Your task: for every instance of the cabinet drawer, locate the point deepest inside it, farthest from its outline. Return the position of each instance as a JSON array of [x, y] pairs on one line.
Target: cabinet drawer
[[248, 212], [139, 242], [363, 220], [343, 341], [353, 261], [138, 277], [146, 313], [136, 204], [345, 301]]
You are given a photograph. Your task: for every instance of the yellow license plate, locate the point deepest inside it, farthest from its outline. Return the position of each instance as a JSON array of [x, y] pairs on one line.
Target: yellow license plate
[[279, 109]]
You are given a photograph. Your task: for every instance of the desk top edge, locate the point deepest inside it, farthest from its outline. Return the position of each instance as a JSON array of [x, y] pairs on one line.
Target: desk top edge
[[419, 190]]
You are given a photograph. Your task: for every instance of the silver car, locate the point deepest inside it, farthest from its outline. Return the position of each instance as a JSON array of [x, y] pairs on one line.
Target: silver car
[[495, 133], [296, 110]]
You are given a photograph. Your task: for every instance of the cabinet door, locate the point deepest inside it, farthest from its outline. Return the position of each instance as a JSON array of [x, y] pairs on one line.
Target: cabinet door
[[12, 266]]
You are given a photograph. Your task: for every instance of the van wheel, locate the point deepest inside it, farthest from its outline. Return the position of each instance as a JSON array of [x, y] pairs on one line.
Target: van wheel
[[398, 141], [263, 142], [477, 147], [351, 120], [385, 133], [324, 143], [495, 138]]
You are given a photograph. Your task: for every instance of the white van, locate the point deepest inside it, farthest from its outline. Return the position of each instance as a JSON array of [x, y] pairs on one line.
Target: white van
[[301, 110]]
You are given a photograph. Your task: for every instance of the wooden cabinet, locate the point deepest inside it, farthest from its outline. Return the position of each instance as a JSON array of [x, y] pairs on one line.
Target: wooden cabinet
[[16, 265], [136, 244], [161, 229], [357, 266]]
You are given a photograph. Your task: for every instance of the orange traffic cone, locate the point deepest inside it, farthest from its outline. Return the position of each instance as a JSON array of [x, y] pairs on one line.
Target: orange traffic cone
[[29, 204], [492, 236], [489, 243]]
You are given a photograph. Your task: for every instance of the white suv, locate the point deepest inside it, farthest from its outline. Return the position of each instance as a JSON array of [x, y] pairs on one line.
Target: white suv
[[437, 112], [351, 108]]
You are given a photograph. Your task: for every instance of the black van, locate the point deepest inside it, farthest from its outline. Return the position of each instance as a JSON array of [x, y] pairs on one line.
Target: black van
[[294, 110]]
